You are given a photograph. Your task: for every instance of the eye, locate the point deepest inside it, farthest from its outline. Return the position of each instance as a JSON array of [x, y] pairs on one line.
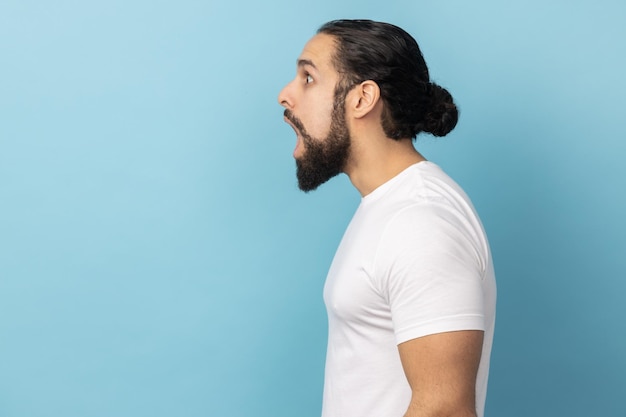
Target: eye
[[308, 78]]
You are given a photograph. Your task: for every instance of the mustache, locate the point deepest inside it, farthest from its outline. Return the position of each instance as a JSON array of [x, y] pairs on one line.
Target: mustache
[[295, 121]]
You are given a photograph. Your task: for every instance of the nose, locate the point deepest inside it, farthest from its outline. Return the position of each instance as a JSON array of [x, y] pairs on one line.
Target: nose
[[285, 98]]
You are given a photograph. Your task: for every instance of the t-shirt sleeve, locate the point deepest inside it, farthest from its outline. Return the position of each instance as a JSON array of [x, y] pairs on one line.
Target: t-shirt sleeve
[[429, 268]]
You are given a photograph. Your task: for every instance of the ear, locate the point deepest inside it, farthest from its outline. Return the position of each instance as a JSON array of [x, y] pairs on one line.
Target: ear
[[365, 98]]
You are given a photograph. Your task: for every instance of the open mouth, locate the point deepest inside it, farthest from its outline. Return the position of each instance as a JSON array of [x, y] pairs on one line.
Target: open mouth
[[299, 143]]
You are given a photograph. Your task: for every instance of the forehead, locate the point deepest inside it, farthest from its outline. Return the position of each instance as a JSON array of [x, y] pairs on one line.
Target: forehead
[[319, 51]]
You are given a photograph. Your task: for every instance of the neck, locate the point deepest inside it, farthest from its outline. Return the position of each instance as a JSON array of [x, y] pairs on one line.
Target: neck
[[373, 165]]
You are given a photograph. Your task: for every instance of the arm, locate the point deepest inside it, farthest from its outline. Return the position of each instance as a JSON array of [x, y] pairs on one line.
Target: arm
[[441, 370]]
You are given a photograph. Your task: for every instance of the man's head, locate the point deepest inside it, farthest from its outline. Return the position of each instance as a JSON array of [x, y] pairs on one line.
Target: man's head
[[350, 53]]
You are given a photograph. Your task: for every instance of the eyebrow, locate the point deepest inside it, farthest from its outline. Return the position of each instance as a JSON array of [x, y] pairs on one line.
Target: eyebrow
[[303, 62]]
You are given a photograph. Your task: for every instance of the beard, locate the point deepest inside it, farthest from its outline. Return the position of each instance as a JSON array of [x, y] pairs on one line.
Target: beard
[[326, 158]]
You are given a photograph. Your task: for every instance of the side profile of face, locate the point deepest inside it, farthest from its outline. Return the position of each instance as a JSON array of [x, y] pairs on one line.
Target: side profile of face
[[315, 109]]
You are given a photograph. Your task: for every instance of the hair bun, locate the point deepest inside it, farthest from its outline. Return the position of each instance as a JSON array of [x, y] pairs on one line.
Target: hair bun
[[442, 114]]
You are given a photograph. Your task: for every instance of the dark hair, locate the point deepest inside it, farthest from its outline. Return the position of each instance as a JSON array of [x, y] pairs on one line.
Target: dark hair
[[389, 56]]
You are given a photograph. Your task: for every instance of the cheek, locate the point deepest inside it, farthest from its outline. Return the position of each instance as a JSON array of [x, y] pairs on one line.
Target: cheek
[[319, 121]]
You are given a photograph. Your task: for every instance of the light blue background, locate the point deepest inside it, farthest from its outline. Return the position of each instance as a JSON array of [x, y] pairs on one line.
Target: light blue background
[[157, 259]]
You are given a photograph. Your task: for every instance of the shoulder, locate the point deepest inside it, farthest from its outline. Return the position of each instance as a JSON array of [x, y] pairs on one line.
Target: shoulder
[[428, 226], [428, 217], [433, 236]]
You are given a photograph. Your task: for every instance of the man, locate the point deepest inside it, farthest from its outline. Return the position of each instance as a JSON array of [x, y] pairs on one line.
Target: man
[[411, 291]]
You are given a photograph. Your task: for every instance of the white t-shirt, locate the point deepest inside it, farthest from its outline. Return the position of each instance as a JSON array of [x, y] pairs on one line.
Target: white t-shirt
[[414, 261]]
